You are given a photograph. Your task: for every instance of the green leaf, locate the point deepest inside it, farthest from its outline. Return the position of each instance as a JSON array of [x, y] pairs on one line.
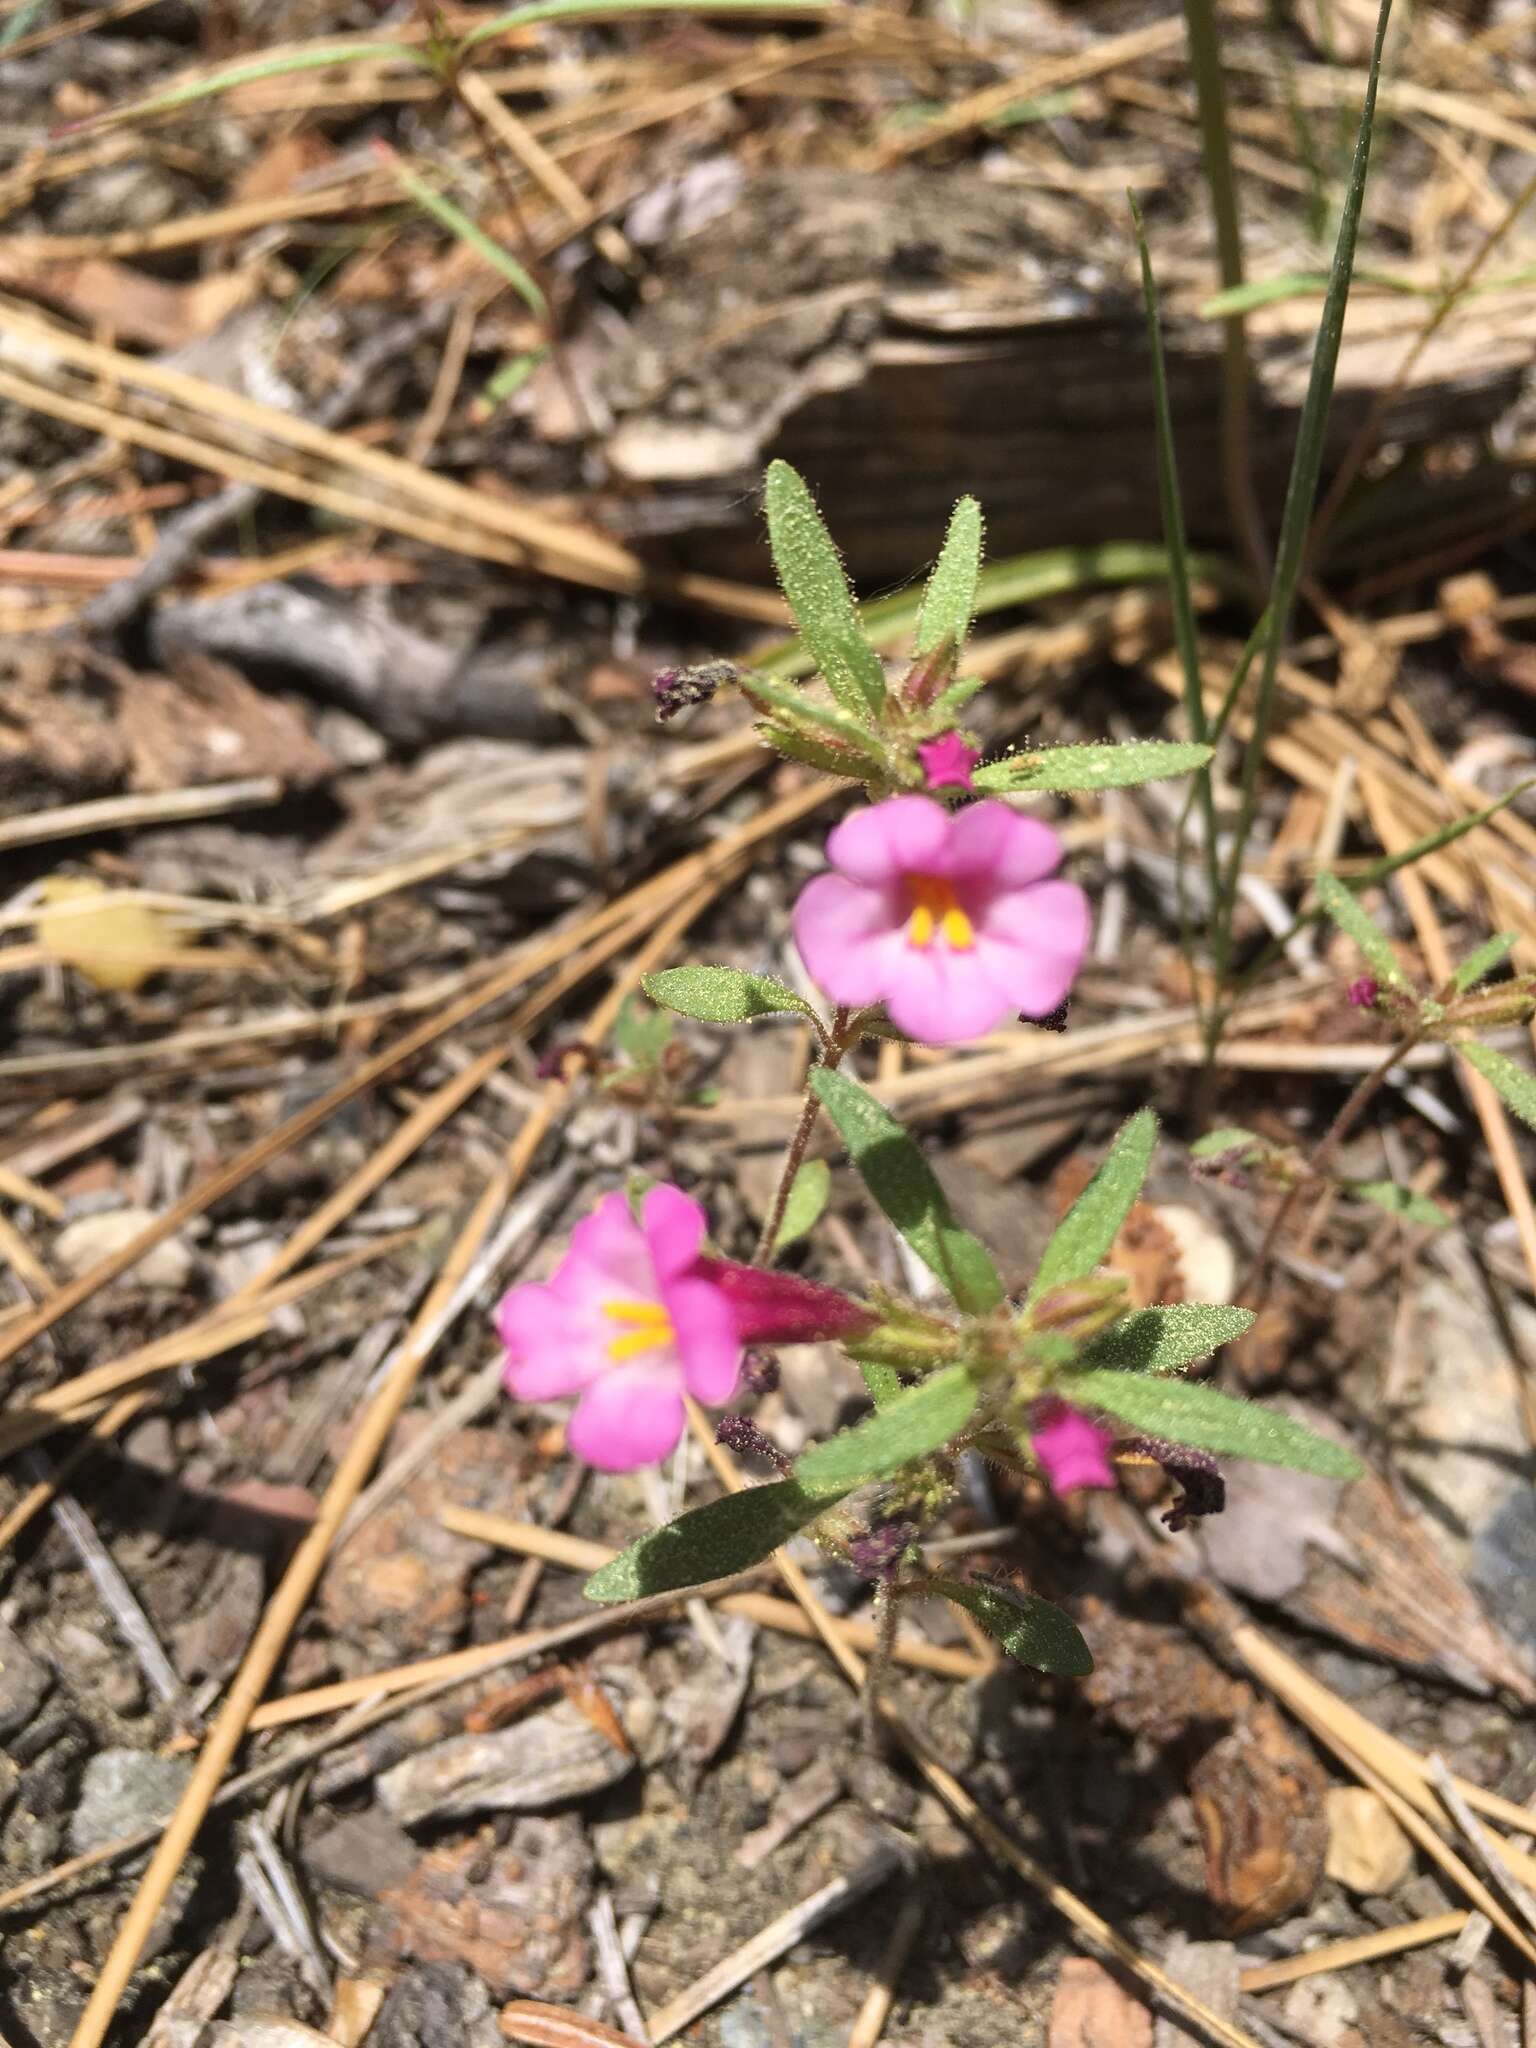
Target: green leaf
[[811, 574], [1093, 767], [1164, 1340], [924, 1418], [474, 237], [1188, 1412], [884, 1382], [1400, 1201], [1517, 1087], [1346, 913], [1479, 965], [642, 1034], [808, 1193], [1029, 1628], [950, 597], [951, 702], [601, 10], [1301, 492], [1085, 1234], [823, 754], [1227, 1139], [794, 707], [902, 1182], [722, 995], [713, 1542]]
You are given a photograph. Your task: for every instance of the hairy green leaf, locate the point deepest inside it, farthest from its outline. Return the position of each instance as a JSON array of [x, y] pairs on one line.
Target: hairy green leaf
[[950, 596], [725, 1536], [1347, 914], [722, 995], [799, 709], [1517, 1087], [1400, 1201], [1092, 767], [811, 574], [922, 1419], [1164, 1340], [808, 1193], [1085, 1234], [902, 1182], [642, 1034], [1479, 965], [1030, 1629], [884, 1382], [1189, 1412]]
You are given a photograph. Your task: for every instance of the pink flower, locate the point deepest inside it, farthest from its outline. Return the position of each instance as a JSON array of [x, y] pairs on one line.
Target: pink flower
[[1069, 1448], [635, 1316], [1363, 993], [947, 917], [628, 1323], [948, 761]]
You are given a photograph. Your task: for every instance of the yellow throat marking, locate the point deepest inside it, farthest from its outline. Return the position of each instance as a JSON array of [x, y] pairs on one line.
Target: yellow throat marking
[[936, 913], [652, 1328]]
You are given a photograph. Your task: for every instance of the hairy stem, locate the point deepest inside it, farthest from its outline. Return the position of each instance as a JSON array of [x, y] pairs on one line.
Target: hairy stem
[[832, 1050], [1360, 1099]]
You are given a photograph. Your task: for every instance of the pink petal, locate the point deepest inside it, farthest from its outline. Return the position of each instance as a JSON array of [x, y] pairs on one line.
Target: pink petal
[[608, 1259], [905, 834], [1071, 1449], [628, 1417], [708, 1343], [997, 847], [553, 1347], [940, 998], [1033, 942], [947, 762], [674, 1230], [846, 933]]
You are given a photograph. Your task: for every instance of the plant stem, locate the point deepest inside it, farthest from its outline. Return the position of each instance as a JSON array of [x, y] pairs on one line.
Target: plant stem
[[884, 1615], [1216, 148], [832, 1051], [1360, 1099]]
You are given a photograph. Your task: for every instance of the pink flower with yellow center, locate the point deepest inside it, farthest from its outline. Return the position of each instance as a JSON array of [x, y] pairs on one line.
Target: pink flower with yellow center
[[952, 919], [635, 1316]]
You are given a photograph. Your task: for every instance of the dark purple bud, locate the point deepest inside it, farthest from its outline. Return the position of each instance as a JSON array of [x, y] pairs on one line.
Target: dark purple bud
[[1196, 1472], [741, 1435], [1055, 1020], [565, 1058], [679, 689], [760, 1373], [781, 1308], [876, 1552], [1363, 993]]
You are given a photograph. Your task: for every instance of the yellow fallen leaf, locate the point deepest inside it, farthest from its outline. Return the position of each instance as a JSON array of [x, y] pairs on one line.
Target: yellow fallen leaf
[[113, 944]]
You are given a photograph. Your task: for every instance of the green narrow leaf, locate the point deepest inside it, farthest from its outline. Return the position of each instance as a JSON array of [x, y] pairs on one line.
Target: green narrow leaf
[[1227, 1139], [1480, 964], [722, 995], [1164, 1340], [601, 10], [474, 237], [1301, 489], [1400, 1201], [811, 574], [1084, 1235], [1347, 914], [808, 1193], [1030, 1629], [826, 755], [641, 1034], [950, 596], [1093, 767], [1189, 1412], [320, 58], [902, 1182], [795, 706], [924, 1418], [725, 1536], [1517, 1087], [884, 1382]]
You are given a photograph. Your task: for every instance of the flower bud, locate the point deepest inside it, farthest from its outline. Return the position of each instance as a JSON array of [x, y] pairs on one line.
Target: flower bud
[[947, 761], [679, 689], [1363, 993], [781, 1308], [1081, 1308]]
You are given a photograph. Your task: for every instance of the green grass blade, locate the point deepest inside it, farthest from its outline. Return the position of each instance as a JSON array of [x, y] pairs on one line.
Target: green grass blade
[[459, 224], [606, 10], [1301, 491], [318, 59]]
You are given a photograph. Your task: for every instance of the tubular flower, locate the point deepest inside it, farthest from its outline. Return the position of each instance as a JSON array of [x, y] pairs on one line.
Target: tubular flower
[[1071, 1450], [634, 1317], [951, 919], [947, 762]]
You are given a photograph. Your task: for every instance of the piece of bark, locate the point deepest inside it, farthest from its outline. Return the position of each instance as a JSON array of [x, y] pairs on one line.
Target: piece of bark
[[1092, 2009], [904, 336]]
